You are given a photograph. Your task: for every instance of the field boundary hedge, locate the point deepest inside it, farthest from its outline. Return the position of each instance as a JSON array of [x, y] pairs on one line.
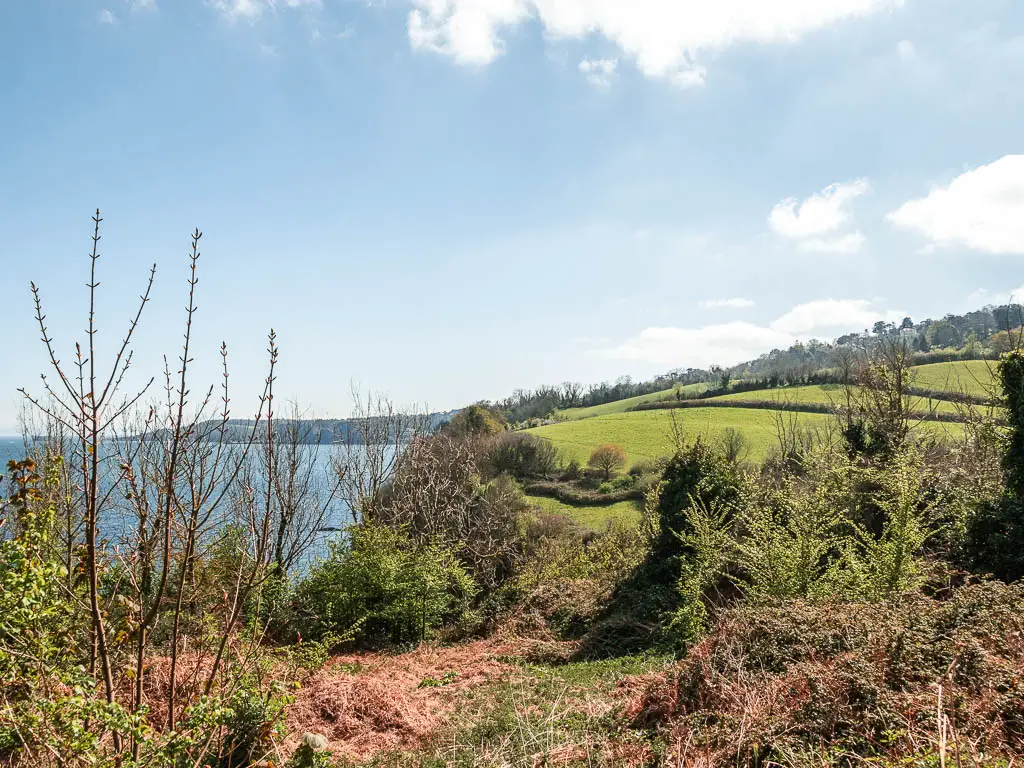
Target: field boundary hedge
[[579, 497], [781, 405]]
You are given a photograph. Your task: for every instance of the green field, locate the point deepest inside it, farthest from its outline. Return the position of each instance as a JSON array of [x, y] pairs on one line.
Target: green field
[[647, 434], [973, 377], [822, 394], [595, 518], [621, 406]]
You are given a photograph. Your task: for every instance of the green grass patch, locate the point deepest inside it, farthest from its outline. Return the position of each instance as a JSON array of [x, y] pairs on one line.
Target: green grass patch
[[596, 518], [648, 434], [823, 394], [621, 406], [972, 377]]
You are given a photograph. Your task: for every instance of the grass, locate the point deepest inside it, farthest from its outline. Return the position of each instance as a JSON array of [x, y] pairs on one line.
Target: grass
[[647, 434], [595, 518], [621, 406], [824, 394], [973, 377]]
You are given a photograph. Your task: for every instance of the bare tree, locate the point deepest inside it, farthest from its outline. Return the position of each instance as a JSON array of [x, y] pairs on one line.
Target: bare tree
[[572, 392], [372, 449], [87, 401], [436, 496], [302, 494], [168, 472], [878, 409]]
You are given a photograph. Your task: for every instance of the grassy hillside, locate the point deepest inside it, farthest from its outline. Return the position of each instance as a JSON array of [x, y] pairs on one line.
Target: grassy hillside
[[823, 394], [647, 434], [595, 518], [973, 377], [621, 406]]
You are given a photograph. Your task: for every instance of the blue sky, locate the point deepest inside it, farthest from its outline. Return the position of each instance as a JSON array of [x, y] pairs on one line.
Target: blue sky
[[448, 199]]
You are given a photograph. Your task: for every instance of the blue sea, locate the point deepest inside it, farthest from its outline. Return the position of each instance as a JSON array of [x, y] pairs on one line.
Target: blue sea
[[338, 513], [10, 448]]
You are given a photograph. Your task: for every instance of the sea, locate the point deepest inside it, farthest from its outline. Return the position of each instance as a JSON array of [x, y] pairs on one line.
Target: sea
[[337, 518], [10, 448]]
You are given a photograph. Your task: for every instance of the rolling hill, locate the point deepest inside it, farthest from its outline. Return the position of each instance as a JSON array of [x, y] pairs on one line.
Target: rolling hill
[[647, 434]]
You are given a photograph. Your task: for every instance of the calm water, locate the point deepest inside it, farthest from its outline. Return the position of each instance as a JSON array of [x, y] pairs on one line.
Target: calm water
[[338, 514], [10, 448]]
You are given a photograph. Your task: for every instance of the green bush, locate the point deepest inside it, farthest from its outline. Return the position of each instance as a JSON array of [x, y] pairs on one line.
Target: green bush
[[521, 456], [994, 541], [383, 584], [697, 475]]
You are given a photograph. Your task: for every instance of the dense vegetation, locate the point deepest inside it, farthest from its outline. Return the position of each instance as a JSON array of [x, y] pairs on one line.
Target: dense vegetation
[[840, 588]]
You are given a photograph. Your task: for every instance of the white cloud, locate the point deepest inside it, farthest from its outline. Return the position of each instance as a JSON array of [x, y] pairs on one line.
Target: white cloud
[[725, 344], [599, 72], [845, 244], [106, 16], [982, 209], [831, 317], [819, 214], [906, 50], [735, 303], [663, 37], [731, 343], [466, 30], [693, 77], [250, 10], [983, 296]]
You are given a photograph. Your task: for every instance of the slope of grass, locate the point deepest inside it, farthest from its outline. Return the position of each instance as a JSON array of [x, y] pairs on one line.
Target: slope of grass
[[647, 434], [973, 377], [822, 394], [621, 406], [595, 518]]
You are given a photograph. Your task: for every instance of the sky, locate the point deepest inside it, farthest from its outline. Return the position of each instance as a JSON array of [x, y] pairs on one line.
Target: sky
[[445, 200]]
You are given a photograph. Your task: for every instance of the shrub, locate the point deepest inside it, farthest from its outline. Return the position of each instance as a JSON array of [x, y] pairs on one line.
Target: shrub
[[733, 445], [474, 421], [437, 497], [384, 584], [572, 472], [887, 565], [607, 459], [694, 476], [582, 497], [521, 456], [624, 483], [995, 533], [648, 467]]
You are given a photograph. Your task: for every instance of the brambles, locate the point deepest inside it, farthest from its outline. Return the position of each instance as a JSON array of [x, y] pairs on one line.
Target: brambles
[[807, 679]]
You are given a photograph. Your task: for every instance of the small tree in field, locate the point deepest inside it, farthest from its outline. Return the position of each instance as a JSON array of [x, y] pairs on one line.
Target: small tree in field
[[607, 459]]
